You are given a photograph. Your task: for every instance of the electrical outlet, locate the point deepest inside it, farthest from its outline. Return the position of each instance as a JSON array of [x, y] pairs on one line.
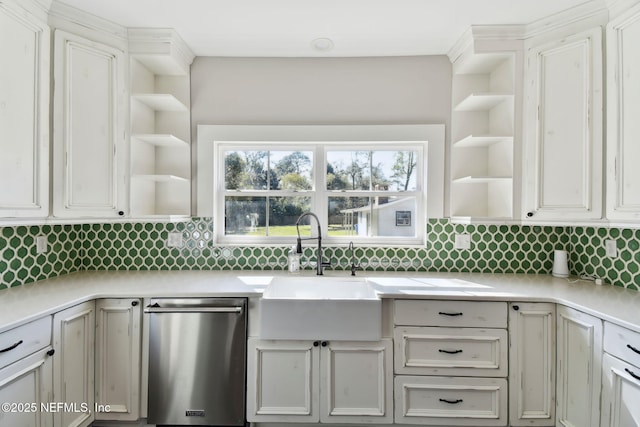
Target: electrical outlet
[[41, 244], [611, 248], [462, 241], [174, 240]]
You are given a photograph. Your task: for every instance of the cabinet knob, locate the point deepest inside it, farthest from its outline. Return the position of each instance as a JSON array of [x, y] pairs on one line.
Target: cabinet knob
[[121, 213], [516, 307], [316, 343], [529, 214], [51, 352], [134, 303], [325, 343]]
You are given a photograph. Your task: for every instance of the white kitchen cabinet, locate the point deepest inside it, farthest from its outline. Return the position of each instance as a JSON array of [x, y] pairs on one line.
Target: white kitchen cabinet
[[532, 364], [450, 401], [160, 123], [24, 113], [620, 393], [623, 110], [117, 370], [482, 155], [73, 364], [563, 146], [579, 367], [89, 128], [26, 385], [311, 381], [464, 340]]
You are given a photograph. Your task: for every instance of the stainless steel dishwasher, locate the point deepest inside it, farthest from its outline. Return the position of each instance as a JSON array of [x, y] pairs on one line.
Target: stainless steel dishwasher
[[197, 361]]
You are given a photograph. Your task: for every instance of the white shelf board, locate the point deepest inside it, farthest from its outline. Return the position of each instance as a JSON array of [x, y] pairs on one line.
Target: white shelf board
[[161, 178], [482, 140], [480, 63], [483, 101], [160, 140], [160, 101], [481, 179]]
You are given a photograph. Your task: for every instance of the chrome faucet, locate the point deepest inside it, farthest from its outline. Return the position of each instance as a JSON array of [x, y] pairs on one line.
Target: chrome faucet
[[319, 262]]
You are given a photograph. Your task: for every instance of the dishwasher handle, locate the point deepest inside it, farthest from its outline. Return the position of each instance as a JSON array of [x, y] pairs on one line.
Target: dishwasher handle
[[152, 309]]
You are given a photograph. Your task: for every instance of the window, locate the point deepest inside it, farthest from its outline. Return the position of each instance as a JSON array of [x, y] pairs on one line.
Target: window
[[368, 192]]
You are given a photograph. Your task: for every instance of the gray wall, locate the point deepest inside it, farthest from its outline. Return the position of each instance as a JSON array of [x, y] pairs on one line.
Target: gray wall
[[264, 91]]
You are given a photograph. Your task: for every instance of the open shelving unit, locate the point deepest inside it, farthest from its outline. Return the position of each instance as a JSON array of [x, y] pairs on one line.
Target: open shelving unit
[[482, 152], [160, 124]]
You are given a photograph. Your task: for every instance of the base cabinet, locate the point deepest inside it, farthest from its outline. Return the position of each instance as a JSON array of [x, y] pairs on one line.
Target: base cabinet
[[319, 381], [620, 393], [118, 341], [450, 401], [73, 364], [532, 379], [579, 355], [26, 384]]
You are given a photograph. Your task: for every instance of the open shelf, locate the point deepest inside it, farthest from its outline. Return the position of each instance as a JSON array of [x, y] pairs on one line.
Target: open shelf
[[161, 178], [482, 140], [481, 179], [160, 140], [160, 101], [483, 101]]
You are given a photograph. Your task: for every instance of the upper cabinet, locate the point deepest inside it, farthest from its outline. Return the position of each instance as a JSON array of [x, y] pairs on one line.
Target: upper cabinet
[[24, 112], [89, 140], [623, 110], [160, 123], [563, 138], [484, 88]]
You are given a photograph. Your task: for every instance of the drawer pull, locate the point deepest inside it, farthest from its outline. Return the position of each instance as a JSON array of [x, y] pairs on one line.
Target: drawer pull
[[632, 374], [444, 313], [11, 347], [451, 402], [632, 348], [450, 351]]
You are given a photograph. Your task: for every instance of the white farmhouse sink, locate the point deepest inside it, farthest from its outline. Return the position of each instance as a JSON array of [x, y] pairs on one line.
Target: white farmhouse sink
[[320, 308]]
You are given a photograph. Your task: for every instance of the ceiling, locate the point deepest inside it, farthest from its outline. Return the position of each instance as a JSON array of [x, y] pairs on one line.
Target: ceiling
[[287, 28]]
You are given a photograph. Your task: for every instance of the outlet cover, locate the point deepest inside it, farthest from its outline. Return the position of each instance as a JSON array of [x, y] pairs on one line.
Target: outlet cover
[[462, 241], [41, 244], [611, 248], [174, 240]]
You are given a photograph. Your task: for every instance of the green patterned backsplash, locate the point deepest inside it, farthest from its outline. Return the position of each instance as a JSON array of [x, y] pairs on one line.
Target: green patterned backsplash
[[142, 246]]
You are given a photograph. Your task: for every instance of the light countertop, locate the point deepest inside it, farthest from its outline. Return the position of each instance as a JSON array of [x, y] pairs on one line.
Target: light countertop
[[28, 302]]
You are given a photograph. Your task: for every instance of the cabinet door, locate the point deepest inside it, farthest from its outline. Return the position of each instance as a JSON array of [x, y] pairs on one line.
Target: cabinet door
[[24, 114], [623, 110], [532, 364], [282, 381], [25, 386], [88, 128], [579, 354], [73, 366], [620, 393], [563, 148], [356, 382], [118, 341]]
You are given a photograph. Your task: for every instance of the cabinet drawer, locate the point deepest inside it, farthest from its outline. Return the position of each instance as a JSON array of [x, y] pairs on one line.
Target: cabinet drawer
[[19, 342], [451, 351], [622, 342], [451, 401], [469, 314]]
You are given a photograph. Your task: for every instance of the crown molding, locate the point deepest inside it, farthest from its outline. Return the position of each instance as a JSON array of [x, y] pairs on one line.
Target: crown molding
[[87, 25], [617, 7], [153, 43], [595, 10]]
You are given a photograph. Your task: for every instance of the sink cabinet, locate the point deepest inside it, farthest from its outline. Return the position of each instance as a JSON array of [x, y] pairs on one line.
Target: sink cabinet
[[319, 381]]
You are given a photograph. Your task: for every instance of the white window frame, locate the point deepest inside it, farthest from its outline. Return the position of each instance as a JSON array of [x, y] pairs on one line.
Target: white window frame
[[395, 137], [319, 194]]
